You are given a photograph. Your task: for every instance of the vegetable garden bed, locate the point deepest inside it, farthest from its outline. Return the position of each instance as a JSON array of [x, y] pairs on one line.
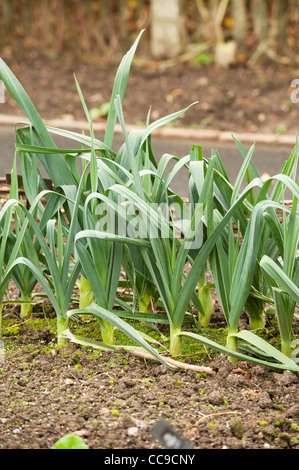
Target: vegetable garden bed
[[117, 276]]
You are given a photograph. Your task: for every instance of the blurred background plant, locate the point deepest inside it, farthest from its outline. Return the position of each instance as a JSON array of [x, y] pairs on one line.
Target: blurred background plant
[[230, 30]]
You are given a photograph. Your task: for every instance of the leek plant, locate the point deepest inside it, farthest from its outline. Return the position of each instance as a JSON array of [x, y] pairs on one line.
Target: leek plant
[[12, 243], [226, 194], [51, 255], [197, 175], [156, 190], [35, 142], [165, 256], [102, 261], [101, 266], [235, 292], [282, 270], [57, 169], [233, 266], [260, 294], [145, 243], [163, 251], [22, 277], [6, 215], [232, 269], [166, 259], [7, 259]]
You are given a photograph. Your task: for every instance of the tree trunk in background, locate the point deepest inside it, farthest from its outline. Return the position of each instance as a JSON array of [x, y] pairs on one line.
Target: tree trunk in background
[[213, 7], [81, 26], [6, 15], [260, 21], [225, 50], [165, 28], [280, 17], [59, 9], [293, 36], [108, 27], [240, 23]]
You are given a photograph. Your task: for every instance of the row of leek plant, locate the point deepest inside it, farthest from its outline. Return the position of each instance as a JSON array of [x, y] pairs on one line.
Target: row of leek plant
[[57, 276], [243, 274], [233, 266], [239, 271], [165, 257]]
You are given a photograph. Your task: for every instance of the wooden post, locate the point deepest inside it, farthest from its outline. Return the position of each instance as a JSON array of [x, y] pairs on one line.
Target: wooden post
[[260, 20], [240, 23], [165, 28]]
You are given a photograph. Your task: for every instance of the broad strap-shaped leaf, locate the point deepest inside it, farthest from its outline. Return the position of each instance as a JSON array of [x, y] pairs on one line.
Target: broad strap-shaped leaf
[[83, 139], [200, 261], [283, 364], [119, 88], [241, 174], [278, 276], [260, 343], [57, 173], [123, 326], [164, 121]]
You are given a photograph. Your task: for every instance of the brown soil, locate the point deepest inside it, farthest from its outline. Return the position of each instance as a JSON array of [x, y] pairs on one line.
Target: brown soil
[[113, 400], [239, 99]]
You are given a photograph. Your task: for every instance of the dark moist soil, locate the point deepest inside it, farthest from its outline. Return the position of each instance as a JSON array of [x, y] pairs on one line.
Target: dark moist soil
[[113, 400], [241, 98]]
